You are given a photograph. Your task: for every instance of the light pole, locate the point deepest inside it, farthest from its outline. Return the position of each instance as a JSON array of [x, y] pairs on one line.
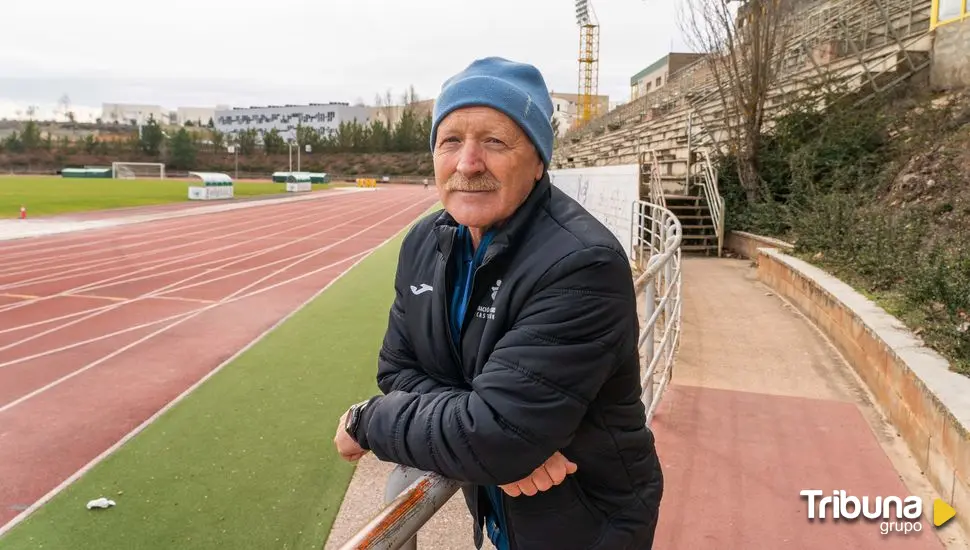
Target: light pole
[[234, 151]]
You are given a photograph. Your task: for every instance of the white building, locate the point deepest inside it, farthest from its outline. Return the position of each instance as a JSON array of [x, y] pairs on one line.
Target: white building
[[198, 116], [130, 113], [565, 109], [322, 117]]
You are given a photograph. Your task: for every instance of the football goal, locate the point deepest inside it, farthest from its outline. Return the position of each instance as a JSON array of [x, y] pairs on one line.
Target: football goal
[[137, 170]]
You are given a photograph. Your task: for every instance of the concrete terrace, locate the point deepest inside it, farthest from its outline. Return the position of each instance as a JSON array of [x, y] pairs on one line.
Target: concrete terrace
[[761, 406]]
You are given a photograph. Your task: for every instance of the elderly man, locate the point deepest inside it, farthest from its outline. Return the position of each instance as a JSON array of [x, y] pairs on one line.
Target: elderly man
[[510, 360]]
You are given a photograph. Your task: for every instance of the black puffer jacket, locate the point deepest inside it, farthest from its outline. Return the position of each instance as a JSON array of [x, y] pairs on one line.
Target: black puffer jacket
[[548, 362]]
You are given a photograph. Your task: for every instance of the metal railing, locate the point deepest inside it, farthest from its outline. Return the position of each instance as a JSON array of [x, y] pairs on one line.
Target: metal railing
[[413, 496], [715, 202], [650, 168], [658, 243]]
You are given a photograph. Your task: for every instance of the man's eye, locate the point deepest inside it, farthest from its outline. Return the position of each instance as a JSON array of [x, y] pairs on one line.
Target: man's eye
[[495, 140]]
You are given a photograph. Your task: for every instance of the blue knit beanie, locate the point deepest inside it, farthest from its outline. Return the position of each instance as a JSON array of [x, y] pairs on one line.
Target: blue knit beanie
[[516, 89]]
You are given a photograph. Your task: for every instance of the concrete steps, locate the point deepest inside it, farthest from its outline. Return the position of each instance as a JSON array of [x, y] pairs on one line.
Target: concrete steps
[[699, 233]]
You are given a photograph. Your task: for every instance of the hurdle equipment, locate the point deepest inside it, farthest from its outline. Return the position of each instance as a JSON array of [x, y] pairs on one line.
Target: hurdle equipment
[[366, 182], [298, 182], [215, 186]]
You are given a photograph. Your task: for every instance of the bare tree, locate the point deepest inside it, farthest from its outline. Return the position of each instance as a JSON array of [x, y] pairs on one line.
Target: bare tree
[[409, 97], [743, 42], [385, 105]]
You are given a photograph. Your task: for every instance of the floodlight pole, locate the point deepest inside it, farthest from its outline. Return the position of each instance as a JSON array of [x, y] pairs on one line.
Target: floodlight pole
[[234, 151]]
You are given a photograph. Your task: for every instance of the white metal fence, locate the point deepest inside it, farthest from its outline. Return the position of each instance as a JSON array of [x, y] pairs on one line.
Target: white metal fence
[[414, 496]]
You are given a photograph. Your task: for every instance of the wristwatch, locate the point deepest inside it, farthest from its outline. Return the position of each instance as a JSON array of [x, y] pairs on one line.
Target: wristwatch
[[354, 415]]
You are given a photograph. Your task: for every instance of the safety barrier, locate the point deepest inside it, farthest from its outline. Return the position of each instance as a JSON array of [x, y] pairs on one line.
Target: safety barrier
[[412, 496], [366, 182]]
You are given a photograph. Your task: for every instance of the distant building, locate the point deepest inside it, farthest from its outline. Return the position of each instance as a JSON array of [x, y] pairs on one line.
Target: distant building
[[198, 116], [565, 109], [392, 114], [322, 117], [656, 75], [133, 114]]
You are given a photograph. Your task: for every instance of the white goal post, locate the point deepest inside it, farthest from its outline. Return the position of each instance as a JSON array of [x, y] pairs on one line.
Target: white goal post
[[134, 170]]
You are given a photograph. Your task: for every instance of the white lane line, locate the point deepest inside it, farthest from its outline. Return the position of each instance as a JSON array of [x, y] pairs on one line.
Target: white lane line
[[177, 285], [126, 277], [195, 312]]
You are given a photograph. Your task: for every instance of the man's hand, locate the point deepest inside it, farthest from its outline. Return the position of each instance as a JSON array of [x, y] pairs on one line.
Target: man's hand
[[348, 448], [552, 472]]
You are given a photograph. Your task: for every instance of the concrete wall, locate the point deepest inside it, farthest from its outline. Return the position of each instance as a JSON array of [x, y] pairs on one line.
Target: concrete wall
[[747, 244], [951, 56], [923, 399]]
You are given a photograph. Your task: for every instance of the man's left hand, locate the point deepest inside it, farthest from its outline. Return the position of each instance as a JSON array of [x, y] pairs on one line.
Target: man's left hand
[[552, 472], [348, 448]]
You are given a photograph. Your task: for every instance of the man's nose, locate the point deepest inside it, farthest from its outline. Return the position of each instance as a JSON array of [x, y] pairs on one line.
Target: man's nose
[[470, 159]]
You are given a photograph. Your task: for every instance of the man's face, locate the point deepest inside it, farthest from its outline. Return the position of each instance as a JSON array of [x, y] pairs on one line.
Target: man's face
[[485, 166]]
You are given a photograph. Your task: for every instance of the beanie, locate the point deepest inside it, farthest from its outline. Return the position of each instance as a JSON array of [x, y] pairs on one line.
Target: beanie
[[516, 89]]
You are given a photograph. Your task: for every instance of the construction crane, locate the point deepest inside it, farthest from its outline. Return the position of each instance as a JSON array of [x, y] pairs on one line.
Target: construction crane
[[589, 49]]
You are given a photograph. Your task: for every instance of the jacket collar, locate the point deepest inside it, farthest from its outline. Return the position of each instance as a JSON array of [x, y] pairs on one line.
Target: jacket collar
[[507, 235]]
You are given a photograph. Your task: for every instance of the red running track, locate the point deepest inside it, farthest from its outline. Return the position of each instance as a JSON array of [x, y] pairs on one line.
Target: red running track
[[99, 330]]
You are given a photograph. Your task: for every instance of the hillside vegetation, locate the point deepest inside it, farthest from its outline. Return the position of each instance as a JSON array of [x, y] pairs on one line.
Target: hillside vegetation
[[879, 195]]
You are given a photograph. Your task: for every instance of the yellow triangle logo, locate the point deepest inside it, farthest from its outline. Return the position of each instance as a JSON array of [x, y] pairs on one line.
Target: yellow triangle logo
[[942, 512]]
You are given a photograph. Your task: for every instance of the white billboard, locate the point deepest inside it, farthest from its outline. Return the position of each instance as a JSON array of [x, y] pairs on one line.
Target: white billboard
[[606, 192]]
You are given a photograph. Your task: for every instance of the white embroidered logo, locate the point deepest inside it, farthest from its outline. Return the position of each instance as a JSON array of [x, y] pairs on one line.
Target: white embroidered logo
[[495, 288], [488, 312], [424, 288]]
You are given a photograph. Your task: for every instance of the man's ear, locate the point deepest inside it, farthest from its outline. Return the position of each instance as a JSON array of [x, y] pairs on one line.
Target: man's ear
[[540, 168]]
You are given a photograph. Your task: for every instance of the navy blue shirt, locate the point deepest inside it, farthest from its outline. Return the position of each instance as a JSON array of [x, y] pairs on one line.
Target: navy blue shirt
[[467, 260]]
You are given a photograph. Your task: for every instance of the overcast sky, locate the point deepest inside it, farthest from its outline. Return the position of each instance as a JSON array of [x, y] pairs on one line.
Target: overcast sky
[[247, 52]]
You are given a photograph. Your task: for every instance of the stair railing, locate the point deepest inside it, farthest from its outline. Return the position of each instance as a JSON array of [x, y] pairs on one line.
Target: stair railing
[[712, 195]]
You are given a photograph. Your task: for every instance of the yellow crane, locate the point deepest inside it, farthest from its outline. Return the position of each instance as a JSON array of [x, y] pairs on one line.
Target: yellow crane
[[589, 48]]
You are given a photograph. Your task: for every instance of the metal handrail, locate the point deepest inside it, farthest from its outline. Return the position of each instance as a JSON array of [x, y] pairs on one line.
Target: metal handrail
[[715, 202], [412, 496]]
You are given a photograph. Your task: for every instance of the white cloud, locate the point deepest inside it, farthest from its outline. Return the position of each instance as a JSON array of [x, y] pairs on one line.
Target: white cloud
[[203, 52]]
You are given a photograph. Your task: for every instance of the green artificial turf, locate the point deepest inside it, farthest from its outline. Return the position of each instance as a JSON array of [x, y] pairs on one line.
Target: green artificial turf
[[45, 195], [246, 460]]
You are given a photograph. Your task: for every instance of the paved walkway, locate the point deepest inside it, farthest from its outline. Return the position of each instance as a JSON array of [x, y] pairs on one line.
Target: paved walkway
[[760, 408]]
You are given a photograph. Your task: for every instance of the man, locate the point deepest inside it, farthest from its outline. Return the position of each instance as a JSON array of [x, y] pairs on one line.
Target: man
[[510, 360]]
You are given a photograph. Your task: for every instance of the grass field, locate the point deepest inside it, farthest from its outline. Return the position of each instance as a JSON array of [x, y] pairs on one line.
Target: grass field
[[47, 195], [246, 460]]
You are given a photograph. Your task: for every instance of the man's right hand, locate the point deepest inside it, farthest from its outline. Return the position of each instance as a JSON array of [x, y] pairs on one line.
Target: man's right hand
[[552, 472]]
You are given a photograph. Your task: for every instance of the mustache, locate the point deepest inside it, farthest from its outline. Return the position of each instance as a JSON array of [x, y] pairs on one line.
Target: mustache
[[483, 182]]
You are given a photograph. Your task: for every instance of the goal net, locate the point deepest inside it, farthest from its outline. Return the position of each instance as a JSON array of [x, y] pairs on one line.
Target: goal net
[[137, 170]]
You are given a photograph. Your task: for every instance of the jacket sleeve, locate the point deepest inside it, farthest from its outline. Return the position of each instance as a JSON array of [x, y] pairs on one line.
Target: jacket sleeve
[[397, 368], [535, 387]]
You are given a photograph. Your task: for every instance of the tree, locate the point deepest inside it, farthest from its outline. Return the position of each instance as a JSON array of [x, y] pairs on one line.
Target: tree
[[151, 138], [385, 104], [182, 150], [246, 140], [273, 142], [30, 136], [744, 49]]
